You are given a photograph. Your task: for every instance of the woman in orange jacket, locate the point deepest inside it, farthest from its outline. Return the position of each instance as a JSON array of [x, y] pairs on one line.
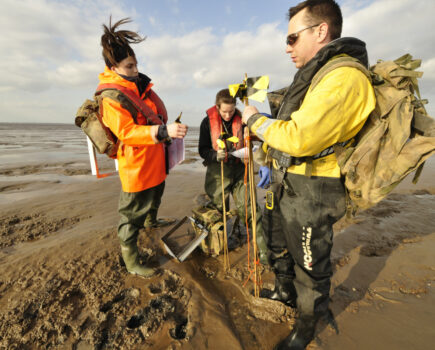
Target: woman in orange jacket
[[141, 155]]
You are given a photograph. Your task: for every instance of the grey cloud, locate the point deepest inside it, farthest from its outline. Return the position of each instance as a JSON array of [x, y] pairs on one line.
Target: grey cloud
[[254, 53], [392, 28], [54, 46], [48, 40]]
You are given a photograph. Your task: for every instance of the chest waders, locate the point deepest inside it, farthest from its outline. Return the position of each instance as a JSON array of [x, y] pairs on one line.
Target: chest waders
[[299, 225]]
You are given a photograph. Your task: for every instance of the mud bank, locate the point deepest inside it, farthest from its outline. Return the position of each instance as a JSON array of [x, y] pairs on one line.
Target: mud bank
[[62, 285]]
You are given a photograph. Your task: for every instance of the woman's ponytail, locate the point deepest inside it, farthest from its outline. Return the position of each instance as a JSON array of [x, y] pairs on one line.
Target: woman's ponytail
[[116, 43]]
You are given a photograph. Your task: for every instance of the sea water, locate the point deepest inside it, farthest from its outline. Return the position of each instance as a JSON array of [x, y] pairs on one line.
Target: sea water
[[47, 146]]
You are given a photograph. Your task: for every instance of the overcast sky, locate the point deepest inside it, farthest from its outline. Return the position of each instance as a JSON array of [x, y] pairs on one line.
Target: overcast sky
[[51, 54]]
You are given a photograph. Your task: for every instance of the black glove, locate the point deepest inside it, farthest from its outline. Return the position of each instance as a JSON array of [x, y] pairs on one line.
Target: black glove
[[162, 133]]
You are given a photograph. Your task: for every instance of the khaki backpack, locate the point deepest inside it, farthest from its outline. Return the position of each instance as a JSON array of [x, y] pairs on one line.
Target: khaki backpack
[[395, 140], [89, 119], [89, 116], [212, 220]]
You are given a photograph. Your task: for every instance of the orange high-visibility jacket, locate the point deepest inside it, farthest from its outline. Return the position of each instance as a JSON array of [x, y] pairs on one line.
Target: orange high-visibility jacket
[[141, 158]]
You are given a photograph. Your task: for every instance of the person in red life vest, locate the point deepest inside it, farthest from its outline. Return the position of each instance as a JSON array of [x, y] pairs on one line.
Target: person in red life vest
[[141, 155], [224, 119]]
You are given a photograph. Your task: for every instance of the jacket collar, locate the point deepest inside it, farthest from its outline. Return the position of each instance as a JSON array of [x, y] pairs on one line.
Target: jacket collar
[[139, 87], [302, 80]]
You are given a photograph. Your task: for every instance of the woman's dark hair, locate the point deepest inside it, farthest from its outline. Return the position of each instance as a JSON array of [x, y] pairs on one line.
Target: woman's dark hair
[[224, 96], [116, 43]]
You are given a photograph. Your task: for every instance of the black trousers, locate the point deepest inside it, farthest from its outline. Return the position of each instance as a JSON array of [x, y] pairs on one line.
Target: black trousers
[[299, 235]]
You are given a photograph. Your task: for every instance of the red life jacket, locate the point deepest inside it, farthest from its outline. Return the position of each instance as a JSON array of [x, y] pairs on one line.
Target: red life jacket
[[141, 106], [216, 127]]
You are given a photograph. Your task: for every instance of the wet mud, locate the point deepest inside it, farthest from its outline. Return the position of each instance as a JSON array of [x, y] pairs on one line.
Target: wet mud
[[63, 284]]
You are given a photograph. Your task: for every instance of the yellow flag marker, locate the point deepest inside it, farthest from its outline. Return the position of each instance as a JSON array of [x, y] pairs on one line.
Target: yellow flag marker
[[220, 143], [233, 89], [262, 83], [259, 96], [254, 88], [233, 139]]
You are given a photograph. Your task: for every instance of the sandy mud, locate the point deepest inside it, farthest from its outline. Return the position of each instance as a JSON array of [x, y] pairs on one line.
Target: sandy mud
[[62, 285]]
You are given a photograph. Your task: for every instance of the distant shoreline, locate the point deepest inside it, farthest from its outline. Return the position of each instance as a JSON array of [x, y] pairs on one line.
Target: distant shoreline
[[15, 123], [63, 124]]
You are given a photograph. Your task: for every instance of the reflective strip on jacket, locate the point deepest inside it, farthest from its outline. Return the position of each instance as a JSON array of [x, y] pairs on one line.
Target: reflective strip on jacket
[[141, 159], [334, 111]]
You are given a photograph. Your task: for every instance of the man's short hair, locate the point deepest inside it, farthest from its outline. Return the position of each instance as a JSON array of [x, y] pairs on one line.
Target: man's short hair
[[224, 96], [319, 11]]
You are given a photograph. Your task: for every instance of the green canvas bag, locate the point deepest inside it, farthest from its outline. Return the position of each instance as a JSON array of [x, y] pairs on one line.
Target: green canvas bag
[[212, 220], [89, 119], [395, 140]]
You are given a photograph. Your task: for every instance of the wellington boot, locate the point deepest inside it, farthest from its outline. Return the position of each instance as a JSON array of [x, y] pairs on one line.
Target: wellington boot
[[160, 222], [130, 255], [284, 291], [329, 319], [300, 336], [262, 249]]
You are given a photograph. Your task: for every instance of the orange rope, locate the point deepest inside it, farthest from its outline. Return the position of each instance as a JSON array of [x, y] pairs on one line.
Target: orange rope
[[249, 169], [245, 182], [256, 261]]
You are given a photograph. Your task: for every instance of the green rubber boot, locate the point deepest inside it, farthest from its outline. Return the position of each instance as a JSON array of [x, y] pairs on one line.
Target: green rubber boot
[[130, 255], [160, 222], [151, 220], [262, 248]]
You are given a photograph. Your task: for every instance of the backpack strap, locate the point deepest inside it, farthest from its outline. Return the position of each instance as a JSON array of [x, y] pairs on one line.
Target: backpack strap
[[423, 124], [342, 61], [136, 101], [111, 137], [161, 109]]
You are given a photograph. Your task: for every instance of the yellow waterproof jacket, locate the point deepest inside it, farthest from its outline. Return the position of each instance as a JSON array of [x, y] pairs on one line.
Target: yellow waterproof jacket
[[141, 159], [334, 111]]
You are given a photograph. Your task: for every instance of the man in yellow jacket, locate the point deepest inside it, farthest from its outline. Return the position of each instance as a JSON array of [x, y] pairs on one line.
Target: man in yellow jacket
[[309, 196]]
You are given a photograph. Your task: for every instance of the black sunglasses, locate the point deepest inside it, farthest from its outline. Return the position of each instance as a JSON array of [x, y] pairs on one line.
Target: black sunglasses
[[292, 38]]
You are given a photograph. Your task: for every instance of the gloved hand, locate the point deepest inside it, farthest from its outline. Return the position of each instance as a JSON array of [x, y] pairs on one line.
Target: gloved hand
[[264, 174], [221, 155]]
